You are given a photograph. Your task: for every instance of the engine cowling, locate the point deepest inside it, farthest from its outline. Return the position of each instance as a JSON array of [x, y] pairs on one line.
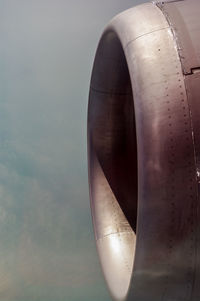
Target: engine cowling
[[144, 152]]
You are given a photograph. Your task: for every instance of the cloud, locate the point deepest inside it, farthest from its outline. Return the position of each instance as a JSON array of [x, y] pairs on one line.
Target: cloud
[[47, 249]]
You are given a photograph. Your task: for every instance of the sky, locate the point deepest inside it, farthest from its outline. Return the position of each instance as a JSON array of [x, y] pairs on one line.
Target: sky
[[47, 249]]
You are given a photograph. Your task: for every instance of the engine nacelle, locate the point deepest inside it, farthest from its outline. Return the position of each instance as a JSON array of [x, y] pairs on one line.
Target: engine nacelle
[[144, 152]]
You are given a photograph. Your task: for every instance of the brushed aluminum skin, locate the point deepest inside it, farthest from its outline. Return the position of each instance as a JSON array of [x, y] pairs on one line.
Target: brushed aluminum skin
[[144, 152]]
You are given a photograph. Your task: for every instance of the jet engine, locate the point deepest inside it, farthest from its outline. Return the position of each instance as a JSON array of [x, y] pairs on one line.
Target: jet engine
[[144, 152]]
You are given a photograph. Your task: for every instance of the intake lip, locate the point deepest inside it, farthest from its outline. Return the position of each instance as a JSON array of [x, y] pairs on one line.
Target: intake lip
[[144, 152], [113, 163]]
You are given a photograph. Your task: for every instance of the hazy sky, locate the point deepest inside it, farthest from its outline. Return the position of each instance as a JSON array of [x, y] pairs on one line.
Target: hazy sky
[[47, 250]]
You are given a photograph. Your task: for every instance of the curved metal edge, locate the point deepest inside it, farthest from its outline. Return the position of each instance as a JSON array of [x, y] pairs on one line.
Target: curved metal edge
[[165, 247], [157, 88], [120, 26]]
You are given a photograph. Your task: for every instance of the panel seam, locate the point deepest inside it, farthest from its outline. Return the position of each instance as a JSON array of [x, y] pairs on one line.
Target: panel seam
[[142, 35], [113, 233]]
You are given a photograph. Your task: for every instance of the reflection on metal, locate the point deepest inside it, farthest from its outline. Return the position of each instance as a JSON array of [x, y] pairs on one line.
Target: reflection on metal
[[144, 152]]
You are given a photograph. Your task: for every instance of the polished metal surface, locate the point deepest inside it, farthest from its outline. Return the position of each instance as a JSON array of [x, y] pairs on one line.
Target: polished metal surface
[[144, 152]]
